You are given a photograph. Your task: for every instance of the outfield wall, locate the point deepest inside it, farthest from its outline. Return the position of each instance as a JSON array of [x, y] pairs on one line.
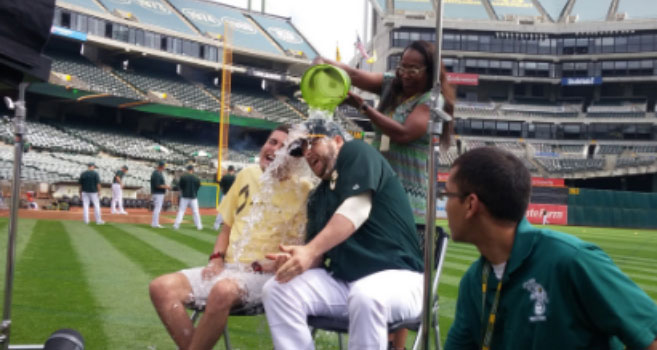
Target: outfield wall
[[606, 208]]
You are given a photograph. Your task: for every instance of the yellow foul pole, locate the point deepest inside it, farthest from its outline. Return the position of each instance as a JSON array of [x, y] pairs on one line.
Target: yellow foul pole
[[224, 111]]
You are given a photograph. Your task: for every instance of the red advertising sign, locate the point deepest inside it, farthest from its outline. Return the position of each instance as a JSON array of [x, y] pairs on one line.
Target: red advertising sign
[[545, 182], [442, 177], [463, 79], [555, 214]]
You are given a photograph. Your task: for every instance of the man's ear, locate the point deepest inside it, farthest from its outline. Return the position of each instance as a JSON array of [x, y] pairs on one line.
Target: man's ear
[[473, 205], [339, 141]]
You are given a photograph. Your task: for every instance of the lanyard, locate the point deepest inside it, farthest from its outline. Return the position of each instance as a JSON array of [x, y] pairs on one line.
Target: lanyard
[[488, 335]]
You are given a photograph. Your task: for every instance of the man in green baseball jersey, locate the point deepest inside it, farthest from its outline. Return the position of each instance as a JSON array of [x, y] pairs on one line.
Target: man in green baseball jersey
[[189, 185], [227, 180], [117, 191], [89, 187], [533, 288], [360, 224], [158, 189]]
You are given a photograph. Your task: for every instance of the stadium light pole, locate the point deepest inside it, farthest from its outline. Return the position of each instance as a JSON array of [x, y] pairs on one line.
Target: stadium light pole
[[438, 117]]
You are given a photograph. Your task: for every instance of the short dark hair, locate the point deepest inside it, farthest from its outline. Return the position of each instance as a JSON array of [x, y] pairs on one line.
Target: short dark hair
[[283, 127], [498, 178], [231, 168]]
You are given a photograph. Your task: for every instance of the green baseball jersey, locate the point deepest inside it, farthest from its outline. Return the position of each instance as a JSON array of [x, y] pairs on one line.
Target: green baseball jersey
[[388, 238], [118, 174], [157, 179], [89, 181], [189, 185], [225, 182], [558, 292]]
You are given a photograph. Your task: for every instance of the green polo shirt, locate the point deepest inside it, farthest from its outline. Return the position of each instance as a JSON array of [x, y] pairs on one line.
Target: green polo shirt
[[387, 239], [157, 179], [118, 174], [89, 181], [189, 185], [558, 292]]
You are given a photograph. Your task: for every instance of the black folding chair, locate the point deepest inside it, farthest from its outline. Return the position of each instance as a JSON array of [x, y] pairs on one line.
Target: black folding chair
[[238, 310], [341, 325]]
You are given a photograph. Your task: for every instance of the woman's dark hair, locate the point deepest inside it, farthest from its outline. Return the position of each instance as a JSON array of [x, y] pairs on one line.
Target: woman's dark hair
[[498, 178], [427, 50]]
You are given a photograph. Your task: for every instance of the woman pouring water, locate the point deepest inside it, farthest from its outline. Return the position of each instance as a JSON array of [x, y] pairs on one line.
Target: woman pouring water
[[402, 117]]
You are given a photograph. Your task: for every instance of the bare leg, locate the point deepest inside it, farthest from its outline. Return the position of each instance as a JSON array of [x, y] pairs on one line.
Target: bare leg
[[399, 339], [168, 292], [223, 296]]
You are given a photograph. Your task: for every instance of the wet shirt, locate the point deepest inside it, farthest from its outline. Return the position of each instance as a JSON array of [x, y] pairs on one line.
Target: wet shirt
[[558, 292], [263, 215], [118, 174], [189, 185], [388, 238], [157, 179], [89, 181]]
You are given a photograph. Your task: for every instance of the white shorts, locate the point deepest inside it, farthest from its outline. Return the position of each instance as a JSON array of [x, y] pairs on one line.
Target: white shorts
[[248, 281]]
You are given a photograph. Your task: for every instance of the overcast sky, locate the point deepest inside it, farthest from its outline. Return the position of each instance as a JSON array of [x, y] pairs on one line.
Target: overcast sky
[[323, 22]]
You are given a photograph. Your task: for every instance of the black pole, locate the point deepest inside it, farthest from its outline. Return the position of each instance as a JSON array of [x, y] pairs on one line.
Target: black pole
[[19, 131]]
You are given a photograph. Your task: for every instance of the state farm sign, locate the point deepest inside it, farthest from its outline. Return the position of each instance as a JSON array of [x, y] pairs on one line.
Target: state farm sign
[[556, 214]]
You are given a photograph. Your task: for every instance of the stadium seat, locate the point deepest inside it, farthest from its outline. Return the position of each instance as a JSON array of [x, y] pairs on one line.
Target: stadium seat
[[96, 78], [341, 326]]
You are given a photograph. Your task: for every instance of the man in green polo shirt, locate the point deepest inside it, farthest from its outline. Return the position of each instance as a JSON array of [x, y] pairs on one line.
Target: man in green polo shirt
[[189, 185], [360, 223], [89, 187], [542, 289], [158, 189]]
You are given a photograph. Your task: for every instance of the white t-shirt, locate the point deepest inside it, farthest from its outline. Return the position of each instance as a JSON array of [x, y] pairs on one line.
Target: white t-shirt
[[498, 269]]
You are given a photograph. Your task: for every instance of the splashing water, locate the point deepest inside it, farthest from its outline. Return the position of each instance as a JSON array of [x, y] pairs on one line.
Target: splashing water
[[282, 167], [314, 113]]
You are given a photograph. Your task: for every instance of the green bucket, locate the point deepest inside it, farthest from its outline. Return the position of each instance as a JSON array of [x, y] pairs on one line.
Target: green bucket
[[325, 86]]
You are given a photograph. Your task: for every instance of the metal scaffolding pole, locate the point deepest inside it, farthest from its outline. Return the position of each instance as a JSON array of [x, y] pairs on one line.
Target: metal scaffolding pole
[[435, 129]]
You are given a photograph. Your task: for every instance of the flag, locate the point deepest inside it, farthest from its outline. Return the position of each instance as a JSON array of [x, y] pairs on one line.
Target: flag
[[337, 53], [361, 47], [372, 59]]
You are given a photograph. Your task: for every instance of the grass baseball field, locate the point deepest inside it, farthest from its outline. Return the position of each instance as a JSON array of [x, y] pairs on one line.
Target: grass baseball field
[[95, 279]]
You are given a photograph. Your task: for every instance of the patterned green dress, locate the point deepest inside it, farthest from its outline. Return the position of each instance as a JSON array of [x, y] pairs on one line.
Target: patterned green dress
[[409, 161]]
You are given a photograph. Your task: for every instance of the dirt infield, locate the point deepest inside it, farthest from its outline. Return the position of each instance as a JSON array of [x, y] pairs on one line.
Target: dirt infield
[[134, 216]]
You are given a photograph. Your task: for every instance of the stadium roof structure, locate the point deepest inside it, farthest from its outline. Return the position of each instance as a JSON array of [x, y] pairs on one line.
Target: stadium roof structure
[[153, 12], [637, 9], [210, 19], [563, 11], [254, 33]]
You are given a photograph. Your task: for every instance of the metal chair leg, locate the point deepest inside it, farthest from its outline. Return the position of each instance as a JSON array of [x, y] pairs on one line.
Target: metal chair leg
[[416, 343], [227, 338], [195, 316]]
